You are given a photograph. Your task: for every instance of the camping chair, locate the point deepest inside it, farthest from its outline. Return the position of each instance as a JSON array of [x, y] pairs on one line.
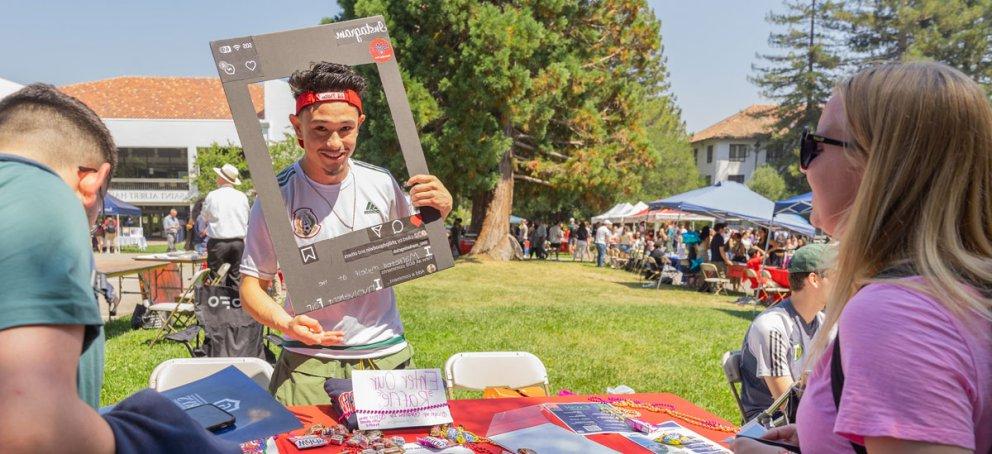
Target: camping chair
[[180, 371], [190, 337], [480, 370], [732, 371], [773, 292], [712, 277], [179, 314]]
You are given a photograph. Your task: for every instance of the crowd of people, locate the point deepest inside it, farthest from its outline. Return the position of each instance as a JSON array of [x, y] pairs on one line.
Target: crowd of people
[[612, 244]]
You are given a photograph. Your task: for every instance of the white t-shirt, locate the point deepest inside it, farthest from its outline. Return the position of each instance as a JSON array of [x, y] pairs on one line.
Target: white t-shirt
[[368, 196], [602, 234], [226, 211]]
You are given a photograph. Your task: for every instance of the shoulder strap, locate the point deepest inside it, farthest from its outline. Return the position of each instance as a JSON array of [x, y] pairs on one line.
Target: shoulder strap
[[837, 384]]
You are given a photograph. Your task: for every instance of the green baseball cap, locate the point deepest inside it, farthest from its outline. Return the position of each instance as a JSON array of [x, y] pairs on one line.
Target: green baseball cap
[[811, 258]]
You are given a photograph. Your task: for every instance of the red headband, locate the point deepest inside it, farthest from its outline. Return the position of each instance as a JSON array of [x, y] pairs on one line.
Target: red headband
[[348, 96]]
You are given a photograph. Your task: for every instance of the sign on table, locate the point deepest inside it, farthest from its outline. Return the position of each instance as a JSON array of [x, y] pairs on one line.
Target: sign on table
[[386, 399]]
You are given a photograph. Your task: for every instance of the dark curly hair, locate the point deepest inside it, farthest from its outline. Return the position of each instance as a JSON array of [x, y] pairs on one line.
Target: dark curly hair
[[325, 76]]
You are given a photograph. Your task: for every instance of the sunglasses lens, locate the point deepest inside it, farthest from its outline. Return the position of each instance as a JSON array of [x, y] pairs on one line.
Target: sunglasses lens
[[806, 149]]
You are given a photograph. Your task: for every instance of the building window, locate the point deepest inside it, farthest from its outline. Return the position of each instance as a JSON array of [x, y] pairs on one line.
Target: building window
[[738, 152], [695, 155], [709, 154], [159, 163], [736, 178], [709, 180]]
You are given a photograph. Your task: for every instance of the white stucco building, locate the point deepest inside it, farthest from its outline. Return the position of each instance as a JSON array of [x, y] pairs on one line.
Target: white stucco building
[[734, 147], [159, 123]]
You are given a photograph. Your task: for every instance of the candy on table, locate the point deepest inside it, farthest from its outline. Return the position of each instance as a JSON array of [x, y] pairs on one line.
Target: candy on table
[[336, 439], [339, 429], [393, 450], [672, 439], [374, 434], [433, 442], [358, 440], [316, 429], [398, 440], [308, 441], [368, 451], [640, 426], [378, 445]]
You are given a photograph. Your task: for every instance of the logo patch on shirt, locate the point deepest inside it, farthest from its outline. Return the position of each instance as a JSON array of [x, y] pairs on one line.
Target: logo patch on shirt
[[370, 208], [305, 223]]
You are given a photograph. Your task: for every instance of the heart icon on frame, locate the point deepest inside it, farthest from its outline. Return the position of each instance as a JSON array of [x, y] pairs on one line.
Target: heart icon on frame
[[250, 64]]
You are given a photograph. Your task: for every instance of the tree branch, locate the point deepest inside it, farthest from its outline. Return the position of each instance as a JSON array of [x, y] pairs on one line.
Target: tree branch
[[530, 179]]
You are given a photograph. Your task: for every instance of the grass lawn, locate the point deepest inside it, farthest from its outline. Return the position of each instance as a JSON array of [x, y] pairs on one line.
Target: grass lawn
[[591, 327]]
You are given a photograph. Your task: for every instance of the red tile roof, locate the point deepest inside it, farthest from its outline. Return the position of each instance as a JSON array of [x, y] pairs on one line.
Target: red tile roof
[[194, 98], [750, 122]]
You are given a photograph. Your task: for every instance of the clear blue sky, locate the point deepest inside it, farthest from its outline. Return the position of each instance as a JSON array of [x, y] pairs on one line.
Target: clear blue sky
[[710, 44]]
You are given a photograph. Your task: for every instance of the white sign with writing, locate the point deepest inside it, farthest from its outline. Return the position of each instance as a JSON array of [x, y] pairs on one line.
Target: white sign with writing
[[386, 399]]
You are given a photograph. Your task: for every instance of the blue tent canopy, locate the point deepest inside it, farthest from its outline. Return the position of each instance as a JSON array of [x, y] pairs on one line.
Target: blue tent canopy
[[113, 206], [515, 219], [800, 204], [732, 200]]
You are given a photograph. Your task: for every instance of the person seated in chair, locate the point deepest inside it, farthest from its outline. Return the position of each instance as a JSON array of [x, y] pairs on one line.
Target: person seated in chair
[[776, 342]]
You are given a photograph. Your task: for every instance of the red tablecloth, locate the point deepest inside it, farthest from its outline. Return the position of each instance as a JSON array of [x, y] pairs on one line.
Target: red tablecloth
[[475, 415], [779, 275]]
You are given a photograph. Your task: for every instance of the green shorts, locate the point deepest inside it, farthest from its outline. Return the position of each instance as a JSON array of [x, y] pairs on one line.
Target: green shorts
[[299, 379]]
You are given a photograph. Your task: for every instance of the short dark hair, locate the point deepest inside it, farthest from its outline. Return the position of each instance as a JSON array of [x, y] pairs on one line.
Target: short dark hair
[[325, 76], [719, 226], [43, 113], [798, 280]]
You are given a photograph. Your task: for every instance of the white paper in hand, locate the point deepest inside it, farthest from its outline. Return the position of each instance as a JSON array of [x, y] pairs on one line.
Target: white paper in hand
[[386, 399]]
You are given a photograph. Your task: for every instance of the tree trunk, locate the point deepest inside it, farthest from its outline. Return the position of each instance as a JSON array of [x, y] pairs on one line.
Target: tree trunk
[[494, 237], [480, 202]]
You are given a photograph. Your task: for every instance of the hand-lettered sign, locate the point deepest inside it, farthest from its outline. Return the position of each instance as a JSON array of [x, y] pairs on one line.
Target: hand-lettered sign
[[386, 399]]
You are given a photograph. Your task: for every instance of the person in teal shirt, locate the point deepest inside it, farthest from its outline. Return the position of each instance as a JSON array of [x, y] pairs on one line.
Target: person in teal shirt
[[56, 158]]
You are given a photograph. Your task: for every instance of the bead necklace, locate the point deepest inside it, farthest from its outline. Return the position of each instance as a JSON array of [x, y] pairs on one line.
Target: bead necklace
[[669, 410]]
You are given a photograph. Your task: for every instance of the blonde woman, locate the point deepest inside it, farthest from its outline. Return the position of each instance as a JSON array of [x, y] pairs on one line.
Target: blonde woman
[[901, 171]]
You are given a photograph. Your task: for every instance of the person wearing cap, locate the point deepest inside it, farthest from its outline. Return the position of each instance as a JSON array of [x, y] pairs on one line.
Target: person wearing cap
[[776, 342], [602, 239], [327, 193], [225, 211]]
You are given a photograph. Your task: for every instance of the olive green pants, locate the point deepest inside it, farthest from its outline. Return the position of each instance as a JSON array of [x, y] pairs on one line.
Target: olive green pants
[[299, 379]]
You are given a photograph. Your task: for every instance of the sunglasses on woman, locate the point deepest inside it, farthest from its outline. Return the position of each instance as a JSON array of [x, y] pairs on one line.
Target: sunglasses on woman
[[808, 149]]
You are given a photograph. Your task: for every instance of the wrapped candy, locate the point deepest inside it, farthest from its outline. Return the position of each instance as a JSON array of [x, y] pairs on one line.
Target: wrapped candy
[[308, 441], [640, 426], [433, 442]]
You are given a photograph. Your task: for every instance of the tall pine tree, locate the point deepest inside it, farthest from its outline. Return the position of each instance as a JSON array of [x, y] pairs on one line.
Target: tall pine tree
[[956, 32], [799, 78]]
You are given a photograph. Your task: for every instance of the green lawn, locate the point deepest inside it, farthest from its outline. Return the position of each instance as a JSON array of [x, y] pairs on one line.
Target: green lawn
[[591, 327]]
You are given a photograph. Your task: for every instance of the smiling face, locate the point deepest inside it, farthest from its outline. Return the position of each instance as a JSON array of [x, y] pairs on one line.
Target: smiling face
[[329, 131], [833, 177]]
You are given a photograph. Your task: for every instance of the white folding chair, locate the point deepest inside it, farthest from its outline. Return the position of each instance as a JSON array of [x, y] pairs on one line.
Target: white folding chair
[[180, 371], [774, 292], [732, 371], [477, 371]]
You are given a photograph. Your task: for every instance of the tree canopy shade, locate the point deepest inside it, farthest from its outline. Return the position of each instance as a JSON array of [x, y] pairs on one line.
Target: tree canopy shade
[[551, 100]]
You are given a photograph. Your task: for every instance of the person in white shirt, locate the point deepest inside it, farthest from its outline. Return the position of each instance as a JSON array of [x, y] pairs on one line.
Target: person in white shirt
[[225, 210], [327, 194], [602, 237]]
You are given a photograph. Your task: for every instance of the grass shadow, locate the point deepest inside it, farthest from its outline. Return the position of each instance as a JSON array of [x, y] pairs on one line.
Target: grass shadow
[[116, 327], [743, 314]]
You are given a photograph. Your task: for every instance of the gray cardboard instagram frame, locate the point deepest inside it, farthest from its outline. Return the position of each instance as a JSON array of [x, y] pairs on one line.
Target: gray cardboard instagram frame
[[363, 261]]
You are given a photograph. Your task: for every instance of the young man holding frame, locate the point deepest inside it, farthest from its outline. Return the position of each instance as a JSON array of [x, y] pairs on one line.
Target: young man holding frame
[[329, 194]]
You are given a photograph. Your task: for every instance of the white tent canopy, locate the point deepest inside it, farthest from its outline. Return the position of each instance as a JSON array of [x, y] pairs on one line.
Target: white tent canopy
[[618, 208]]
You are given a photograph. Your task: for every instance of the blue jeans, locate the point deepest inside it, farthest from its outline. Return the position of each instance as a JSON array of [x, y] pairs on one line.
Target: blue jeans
[[600, 254]]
